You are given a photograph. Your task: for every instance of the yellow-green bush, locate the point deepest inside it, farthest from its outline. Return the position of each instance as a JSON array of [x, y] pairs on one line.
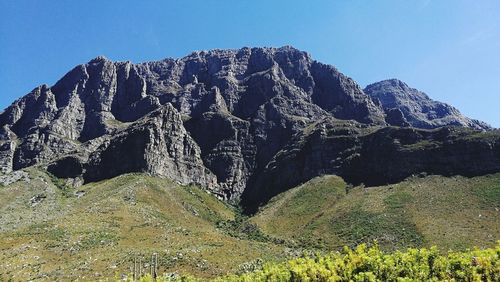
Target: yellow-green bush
[[371, 264]]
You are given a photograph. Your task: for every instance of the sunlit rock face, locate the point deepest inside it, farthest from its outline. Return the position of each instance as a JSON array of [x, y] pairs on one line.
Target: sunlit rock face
[[416, 108], [231, 121]]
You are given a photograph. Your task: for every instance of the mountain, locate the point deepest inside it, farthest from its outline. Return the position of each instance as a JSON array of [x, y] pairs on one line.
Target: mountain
[[244, 124], [450, 212], [405, 106], [222, 113], [53, 232], [372, 156], [119, 161], [50, 232]]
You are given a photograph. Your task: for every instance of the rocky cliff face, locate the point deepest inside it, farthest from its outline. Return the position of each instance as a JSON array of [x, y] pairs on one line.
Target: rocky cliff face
[[374, 156], [222, 119], [405, 106], [239, 108]]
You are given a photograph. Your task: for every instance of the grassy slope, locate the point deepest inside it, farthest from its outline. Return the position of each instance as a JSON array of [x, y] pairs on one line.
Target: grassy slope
[[100, 233], [452, 213], [134, 216]]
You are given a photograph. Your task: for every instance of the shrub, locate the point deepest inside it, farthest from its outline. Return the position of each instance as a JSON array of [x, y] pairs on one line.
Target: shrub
[[372, 264]]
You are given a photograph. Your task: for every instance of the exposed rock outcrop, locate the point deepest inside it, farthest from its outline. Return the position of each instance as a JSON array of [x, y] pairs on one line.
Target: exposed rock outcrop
[[158, 144], [417, 109], [251, 122], [239, 106], [374, 156]]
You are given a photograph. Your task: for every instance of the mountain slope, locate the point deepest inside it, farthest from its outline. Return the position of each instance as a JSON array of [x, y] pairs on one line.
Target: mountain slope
[[450, 212], [231, 121], [405, 106], [52, 232], [239, 106], [374, 156]]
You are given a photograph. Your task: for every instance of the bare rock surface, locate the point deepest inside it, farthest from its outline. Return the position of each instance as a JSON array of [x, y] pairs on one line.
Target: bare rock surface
[[233, 122], [416, 108], [374, 156], [14, 176]]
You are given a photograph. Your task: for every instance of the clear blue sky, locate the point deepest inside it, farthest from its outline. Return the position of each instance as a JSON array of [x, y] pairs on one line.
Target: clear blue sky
[[447, 48]]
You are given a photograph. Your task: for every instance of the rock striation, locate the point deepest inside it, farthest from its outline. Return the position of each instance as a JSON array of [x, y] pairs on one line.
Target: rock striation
[[406, 106], [244, 124], [374, 156]]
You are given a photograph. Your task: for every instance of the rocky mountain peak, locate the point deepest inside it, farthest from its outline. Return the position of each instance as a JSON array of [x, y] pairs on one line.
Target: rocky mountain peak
[[391, 91], [227, 120], [98, 59], [416, 108]]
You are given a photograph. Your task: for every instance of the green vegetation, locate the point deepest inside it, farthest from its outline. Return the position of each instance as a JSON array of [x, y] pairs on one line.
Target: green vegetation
[[398, 200], [49, 234], [372, 264], [292, 214], [97, 239], [489, 194], [421, 145], [61, 184], [359, 226], [398, 231], [115, 222], [242, 228], [475, 135], [451, 212]]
